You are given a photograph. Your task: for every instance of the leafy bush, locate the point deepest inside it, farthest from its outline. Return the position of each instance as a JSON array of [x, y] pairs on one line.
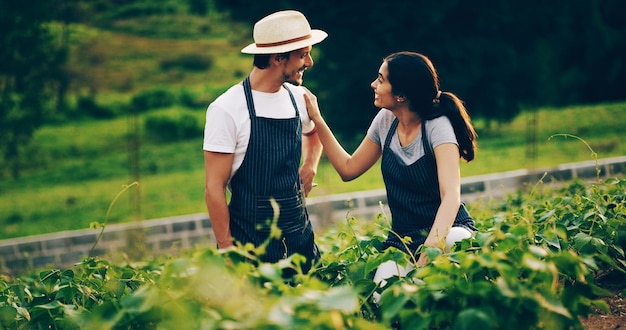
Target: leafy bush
[[173, 128], [191, 100], [189, 62], [198, 7], [139, 9], [152, 99], [533, 266], [88, 106]]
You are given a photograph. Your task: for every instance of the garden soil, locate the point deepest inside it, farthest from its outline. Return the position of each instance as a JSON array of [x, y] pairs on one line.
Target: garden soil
[[616, 319]]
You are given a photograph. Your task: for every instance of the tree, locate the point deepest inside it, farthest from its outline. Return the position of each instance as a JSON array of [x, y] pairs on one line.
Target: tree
[[30, 64], [498, 56]]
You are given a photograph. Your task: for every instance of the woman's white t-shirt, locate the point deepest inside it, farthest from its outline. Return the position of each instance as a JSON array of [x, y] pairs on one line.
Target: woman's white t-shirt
[[227, 128]]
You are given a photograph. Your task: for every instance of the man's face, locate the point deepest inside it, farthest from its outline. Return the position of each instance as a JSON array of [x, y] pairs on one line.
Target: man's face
[[294, 67]]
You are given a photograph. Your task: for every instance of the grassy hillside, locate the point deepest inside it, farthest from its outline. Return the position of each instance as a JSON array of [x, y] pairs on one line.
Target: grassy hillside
[[78, 164], [131, 55], [85, 164]]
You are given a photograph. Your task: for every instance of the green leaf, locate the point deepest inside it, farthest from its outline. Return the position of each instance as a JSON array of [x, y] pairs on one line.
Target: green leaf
[[139, 302], [602, 305], [552, 304], [344, 299], [364, 286], [270, 271], [535, 264], [67, 293], [538, 251], [392, 301], [547, 215], [7, 314], [587, 244], [55, 304], [415, 321], [433, 253], [472, 319]]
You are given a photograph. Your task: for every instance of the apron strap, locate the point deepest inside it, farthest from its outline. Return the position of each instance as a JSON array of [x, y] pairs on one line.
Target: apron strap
[[247, 90]]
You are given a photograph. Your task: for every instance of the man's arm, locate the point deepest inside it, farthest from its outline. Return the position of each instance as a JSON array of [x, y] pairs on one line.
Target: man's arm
[[311, 153], [217, 168]]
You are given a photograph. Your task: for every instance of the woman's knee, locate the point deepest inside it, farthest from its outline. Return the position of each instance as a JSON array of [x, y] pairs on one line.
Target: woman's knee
[[456, 234], [387, 270]]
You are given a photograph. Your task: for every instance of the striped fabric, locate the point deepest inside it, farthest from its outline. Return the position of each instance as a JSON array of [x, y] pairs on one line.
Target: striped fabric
[[413, 195], [269, 173]]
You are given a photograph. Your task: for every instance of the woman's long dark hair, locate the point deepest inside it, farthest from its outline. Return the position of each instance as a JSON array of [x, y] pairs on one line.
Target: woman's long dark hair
[[413, 76]]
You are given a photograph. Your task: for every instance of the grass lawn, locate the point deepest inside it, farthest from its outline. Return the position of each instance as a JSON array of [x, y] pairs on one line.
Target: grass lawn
[[82, 166], [76, 168]]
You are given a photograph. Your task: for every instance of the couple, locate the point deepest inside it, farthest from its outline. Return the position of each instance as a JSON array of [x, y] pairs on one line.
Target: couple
[[257, 134]]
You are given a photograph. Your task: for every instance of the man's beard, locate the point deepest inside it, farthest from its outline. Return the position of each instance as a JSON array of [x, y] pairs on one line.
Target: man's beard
[[291, 78], [293, 81]]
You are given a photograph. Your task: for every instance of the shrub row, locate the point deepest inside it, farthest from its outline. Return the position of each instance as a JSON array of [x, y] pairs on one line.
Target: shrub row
[[144, 101], [533, 264], [173, 127]]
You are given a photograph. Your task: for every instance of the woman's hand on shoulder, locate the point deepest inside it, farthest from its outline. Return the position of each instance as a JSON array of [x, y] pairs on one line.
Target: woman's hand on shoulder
[[311, 105]]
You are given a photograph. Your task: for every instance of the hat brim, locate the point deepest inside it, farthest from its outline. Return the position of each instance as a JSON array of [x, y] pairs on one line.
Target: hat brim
[[316, 37]]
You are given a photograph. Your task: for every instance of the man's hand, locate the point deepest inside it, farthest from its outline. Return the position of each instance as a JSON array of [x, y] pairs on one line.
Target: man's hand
[[307, 174]]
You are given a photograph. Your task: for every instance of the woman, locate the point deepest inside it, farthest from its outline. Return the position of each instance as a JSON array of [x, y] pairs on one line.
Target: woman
[[421, 134]]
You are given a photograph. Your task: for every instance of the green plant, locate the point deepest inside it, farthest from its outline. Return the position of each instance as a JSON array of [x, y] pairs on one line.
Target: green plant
[[172, 128], [87, 105], [191, 100], [191, 62], [533, 264], [102, 225], [152, 99]]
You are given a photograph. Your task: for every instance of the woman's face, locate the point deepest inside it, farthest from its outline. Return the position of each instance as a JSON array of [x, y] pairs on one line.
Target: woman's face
[[383, 98]]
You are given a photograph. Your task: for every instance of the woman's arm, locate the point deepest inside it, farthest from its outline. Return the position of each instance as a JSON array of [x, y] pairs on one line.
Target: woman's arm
[[348, 166], [449, 175]]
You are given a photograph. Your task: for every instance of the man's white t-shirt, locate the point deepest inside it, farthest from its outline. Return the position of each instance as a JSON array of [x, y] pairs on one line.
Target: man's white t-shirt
[[227, 128]]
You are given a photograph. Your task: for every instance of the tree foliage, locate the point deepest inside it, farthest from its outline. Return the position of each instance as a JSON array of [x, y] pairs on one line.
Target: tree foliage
[[30, 64], [498, 56]]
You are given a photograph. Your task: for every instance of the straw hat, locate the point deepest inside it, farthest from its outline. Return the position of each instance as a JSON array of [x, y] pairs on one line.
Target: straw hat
[[282, 32]]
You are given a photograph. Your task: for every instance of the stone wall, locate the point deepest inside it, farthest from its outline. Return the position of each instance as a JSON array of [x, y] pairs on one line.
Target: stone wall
[[170, 235]]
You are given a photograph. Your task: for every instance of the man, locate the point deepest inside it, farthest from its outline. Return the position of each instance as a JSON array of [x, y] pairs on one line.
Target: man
[[256, 135]]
